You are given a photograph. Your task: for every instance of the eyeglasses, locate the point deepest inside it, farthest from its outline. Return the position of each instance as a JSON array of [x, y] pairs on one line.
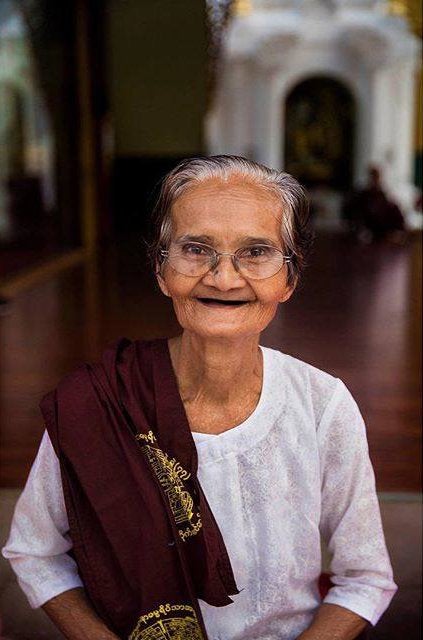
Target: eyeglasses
[[194, 259]]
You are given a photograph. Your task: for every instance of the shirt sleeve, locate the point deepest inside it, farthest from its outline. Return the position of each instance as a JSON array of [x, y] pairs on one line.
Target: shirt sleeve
[[39, 536], [350, 522]]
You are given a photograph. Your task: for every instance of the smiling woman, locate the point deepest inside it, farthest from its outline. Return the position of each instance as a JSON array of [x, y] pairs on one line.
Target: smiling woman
[[288, 196], [213, 209], [194, 477]]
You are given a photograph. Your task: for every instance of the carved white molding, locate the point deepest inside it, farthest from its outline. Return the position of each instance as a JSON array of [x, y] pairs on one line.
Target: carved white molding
[[371, 47], [281, 43], [325, 5], [265, 5], [368, 5]]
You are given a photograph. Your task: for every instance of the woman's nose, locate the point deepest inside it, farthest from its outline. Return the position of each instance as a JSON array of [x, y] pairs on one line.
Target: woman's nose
[[224, 276]]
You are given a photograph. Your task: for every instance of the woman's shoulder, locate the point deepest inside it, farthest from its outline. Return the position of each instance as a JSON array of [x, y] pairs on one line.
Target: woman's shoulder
[[296, 367], [304, 382]]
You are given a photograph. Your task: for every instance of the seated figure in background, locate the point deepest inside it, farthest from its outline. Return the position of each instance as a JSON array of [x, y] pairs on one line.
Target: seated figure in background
[[370, 214]]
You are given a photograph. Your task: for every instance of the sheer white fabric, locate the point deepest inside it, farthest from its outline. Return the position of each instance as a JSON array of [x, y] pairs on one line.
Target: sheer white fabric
[[39, 540], [296, 469]]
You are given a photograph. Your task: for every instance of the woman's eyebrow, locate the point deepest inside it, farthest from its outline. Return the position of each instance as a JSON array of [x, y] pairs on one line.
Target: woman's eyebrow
[[258, 240], [246, 240], [190, 238]]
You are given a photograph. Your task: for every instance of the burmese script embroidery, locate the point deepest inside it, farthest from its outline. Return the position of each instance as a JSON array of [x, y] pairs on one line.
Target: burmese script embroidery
[[171, 476], [182, 624], [147, 437]]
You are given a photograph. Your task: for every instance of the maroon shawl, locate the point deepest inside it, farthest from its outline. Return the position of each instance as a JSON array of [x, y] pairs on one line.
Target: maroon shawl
[[144, 538]]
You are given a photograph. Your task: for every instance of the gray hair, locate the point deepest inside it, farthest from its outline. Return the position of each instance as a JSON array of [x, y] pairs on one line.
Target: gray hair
[[296, 233]]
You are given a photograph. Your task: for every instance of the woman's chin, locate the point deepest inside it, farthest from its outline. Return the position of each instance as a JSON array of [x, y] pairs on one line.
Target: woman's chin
[[238, 323], [222, 330]]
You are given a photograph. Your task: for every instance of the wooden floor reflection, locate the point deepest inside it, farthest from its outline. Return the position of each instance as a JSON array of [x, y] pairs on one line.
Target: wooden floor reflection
[[357, 316]]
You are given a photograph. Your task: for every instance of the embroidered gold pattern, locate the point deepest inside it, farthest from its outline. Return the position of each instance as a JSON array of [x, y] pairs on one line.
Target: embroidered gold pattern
[[188, 532], [182, 625], [171, 476], [148, 437]]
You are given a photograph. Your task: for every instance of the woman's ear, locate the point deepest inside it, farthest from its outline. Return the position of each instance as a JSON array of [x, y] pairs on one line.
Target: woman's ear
[[289, 290], [161, 281], [287, 294]]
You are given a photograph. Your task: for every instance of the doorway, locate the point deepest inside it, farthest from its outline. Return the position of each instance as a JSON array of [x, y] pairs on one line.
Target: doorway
[[320, 122]]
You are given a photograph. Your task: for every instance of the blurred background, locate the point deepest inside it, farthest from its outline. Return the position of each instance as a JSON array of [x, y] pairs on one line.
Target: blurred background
[[100, 98]]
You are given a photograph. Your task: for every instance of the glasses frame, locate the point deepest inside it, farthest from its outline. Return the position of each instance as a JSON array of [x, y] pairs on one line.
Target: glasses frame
[[234, 259]]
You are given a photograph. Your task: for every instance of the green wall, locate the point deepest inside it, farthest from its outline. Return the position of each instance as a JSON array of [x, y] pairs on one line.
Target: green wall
[[157, 76]]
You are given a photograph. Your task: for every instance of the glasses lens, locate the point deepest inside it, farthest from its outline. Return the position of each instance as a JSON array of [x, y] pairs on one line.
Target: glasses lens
[[191, 259], [260, 262]]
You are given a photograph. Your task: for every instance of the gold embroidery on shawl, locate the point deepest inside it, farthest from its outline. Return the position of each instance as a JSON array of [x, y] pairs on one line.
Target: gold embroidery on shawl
[[187, 533], [182, 625], [148, 437], [171, 476]]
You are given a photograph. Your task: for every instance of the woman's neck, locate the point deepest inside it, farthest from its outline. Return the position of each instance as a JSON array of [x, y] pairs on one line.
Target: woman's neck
[[216, 372]]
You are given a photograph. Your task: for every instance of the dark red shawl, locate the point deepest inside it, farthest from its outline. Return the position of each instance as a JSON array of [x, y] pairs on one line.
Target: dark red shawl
[[144, 538]]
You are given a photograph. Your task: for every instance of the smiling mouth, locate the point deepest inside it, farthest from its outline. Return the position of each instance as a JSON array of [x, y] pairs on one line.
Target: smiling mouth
[[212, 302]]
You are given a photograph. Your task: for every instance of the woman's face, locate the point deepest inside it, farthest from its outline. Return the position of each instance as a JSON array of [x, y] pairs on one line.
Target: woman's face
[[227, 216]]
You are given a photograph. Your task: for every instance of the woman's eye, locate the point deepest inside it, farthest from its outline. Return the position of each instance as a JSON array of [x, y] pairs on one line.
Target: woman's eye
[[255, 252], [194, 250]]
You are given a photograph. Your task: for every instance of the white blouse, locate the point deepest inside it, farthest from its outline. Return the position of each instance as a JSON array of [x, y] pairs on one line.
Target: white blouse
[[296, 470]]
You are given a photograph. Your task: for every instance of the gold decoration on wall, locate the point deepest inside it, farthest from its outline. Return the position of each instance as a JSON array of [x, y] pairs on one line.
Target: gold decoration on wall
[[409, 9], [398, 7], [241, 7]]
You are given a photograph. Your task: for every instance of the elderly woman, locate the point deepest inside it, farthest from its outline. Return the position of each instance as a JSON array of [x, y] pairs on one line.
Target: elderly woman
[[183, 486]]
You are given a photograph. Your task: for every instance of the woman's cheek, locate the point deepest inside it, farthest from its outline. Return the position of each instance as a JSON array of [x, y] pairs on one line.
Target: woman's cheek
[[184, 310], [272, 292], [267, 313]]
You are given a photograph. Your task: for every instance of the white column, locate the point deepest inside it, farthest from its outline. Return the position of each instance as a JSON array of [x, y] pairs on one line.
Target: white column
[[381, 119], [404, 103]]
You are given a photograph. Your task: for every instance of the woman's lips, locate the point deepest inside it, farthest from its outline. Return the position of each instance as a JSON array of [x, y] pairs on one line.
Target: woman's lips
[[214, 302]]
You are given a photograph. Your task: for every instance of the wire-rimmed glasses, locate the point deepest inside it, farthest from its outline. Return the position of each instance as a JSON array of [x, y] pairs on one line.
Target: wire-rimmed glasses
[[195, 259]]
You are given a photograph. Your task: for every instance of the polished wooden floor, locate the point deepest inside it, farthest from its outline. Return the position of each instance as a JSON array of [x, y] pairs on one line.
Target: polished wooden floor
[[357, 316]]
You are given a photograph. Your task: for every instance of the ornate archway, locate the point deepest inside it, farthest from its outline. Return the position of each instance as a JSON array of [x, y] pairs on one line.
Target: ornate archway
[[320, 122]]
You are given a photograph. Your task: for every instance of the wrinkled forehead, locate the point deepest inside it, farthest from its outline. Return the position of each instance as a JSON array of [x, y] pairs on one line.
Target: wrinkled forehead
[[234, 209]]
